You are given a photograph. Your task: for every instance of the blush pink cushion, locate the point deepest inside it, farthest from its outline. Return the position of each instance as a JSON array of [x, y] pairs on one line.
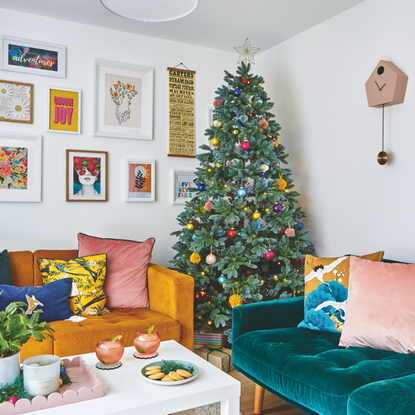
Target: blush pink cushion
[[380, 306], [127, 264]]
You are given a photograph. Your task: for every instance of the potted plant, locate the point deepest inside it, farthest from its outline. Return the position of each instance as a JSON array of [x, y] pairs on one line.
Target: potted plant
[[16, 328]]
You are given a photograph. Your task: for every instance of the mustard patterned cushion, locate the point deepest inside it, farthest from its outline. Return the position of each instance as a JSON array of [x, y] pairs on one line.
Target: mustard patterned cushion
[[326, 288], [88, 273]]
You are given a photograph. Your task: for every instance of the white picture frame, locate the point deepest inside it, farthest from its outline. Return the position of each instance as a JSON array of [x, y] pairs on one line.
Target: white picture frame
[[19, 55], [21, 174], [183, 181], [210, 116], [123, 100], [139, 186]]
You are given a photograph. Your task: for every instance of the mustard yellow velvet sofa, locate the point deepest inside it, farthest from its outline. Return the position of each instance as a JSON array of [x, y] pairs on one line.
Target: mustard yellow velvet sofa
[[171, 296]]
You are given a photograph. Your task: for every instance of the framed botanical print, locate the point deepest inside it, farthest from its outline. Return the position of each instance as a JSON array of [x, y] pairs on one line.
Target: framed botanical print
[[64, 111], [32, 57], [183, 184], [86, 176], [16, 102], [141, 179], [124, 100], [20, 168]]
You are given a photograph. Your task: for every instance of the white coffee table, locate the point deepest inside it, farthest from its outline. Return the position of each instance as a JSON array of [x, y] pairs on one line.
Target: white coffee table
[[126, 392]]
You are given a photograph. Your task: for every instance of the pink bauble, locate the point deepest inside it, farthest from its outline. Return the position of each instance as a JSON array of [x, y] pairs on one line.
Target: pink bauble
[[13, 400], [290, 232], [211, 259], [245, 145], [208, 206], [264, 123], [269, 255], [217, 103]]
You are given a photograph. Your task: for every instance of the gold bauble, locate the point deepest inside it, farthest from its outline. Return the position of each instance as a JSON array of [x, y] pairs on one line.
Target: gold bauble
[[382, 158], [190, 226], [276, 143], [214, 142], [256, 215], [235, 300], [217, 123], [264, 168], [195, 258]]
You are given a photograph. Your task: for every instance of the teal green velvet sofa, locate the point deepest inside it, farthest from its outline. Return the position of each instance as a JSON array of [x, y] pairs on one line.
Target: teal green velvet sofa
[[309, 370]]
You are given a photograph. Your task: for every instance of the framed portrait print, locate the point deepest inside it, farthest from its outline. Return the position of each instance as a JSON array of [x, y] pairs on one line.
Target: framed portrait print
[[86, 176], [64, 111], [34, 58], [124, 100], [20, 168], [16, 102], [141, 181], [183, 184]]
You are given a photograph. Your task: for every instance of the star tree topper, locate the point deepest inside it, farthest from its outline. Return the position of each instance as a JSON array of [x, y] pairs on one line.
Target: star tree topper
[[246, 52]]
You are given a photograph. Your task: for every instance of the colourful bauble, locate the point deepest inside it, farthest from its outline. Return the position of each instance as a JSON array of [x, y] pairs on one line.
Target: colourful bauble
[[265, 167], [211, 259], [214, 142], [263, 174], [241, 192], [232, 233], [264, 123], [190, 227], [269, 255], [244, 81], [208, 206], [236, 92], [217, 103], [201, 187], [245, 145], [235, 131], [260, 101], [218, 165], [290, 232], [222, 279], [239, 234], [256, 215], [276, 143], [195, 258], [282, 184], [300, 226], [277, 208], [217, 123], [235, 300], [250, 271], [13, 400]]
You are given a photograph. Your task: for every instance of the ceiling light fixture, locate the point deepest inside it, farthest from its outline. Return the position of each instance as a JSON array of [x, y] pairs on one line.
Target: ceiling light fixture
[[150, 10]]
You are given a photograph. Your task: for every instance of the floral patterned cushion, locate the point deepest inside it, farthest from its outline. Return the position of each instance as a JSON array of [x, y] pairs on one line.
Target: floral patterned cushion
[[88, 273]]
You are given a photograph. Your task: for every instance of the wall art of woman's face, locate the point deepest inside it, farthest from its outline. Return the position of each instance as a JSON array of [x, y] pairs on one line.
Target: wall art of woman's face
[[86, 177]]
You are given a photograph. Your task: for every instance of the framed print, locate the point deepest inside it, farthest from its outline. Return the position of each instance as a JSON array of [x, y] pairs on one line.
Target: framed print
[[124, 100], [64, 111], [20, 168], [86, 176], [32, 57], [141, 181], [211, 116], [16, 102], [183, 184]]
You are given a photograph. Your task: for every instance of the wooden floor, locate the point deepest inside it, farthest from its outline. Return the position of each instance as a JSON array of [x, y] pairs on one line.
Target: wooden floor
[[272, 404]]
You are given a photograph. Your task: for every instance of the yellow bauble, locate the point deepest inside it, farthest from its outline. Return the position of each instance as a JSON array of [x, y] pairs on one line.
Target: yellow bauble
[[235, 300], [190, 226], [195, 258], [217, 123], [214, 142], [256, 215]]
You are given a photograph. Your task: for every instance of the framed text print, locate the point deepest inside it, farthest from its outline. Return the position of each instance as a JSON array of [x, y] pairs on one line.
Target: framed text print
[[34, 58], [124, 100], [64, 111], [141, 181], [16, 102], [86, 176], [20, 168], [184, 188]]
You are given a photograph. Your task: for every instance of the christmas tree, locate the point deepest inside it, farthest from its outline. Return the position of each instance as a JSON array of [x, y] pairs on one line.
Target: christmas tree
[[242, 239]]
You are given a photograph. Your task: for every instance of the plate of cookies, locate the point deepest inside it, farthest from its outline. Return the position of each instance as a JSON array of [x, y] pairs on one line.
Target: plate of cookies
[[170, 372]]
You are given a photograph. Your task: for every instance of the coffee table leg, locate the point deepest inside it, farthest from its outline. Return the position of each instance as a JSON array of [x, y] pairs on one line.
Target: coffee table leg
[[230, 407]]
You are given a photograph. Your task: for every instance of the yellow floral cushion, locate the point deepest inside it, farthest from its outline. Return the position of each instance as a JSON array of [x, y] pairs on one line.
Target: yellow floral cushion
[[88, 273]]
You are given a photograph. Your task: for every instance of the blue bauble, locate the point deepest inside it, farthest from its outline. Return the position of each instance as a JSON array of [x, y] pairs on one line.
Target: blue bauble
[[241, 192], [236, 92], [220, 234], [260, 101], [300, 226], [217, 196], [201, 187], [222, 279], [263, 174], [62, 370]]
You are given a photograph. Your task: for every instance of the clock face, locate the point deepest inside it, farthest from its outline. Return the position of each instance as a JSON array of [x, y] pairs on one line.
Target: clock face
[[386, 85]]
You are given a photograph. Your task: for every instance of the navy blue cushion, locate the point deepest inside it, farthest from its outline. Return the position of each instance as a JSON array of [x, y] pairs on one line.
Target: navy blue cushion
[[5, 271], [54, 297]]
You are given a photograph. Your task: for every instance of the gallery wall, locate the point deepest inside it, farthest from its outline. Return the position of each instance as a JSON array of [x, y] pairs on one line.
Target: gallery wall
[[317, 82], [54, 223]]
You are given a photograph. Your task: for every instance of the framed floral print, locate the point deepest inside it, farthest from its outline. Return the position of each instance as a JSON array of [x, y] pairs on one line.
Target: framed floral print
[[124, 100], [20, 168], [86, 176], [141, 179], [183, 185], [16, 102]]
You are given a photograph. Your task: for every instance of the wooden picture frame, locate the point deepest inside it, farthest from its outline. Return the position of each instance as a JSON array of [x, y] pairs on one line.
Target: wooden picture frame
[[141, 181], [86, 176], [64, 110], [26, 56], [16, 102], [20, 167], [183, 181], [123, 100]]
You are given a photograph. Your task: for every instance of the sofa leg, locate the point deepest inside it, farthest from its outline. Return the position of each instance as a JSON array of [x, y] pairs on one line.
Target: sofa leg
[[259, 399]]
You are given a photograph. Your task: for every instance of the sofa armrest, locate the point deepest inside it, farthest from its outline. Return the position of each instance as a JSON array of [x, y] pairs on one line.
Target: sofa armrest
[[267, 315], [172, 293]]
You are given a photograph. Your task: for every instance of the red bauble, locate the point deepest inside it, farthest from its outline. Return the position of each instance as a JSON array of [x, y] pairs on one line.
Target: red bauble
[[244, 81], [245, 145], [269, 255], [250, 272], [232, 233]]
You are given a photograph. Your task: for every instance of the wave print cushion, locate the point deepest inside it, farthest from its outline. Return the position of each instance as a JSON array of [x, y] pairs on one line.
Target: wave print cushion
[[326, 291], [88, 273]]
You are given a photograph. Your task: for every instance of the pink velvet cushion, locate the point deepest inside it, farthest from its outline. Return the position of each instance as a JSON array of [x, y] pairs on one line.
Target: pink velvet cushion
[[380, 306], [127, 263]]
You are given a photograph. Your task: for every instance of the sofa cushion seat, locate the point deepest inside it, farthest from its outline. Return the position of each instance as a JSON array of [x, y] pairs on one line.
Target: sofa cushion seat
[[309, 368]]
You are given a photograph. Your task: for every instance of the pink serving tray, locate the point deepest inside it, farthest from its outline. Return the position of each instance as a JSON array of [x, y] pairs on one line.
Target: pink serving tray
[[86, 386]]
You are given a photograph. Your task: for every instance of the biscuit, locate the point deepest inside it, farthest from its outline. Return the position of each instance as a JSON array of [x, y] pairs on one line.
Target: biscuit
[[167, 379], [184, 373], [153, 372], [153, 368], [157, 376], [175, 376]]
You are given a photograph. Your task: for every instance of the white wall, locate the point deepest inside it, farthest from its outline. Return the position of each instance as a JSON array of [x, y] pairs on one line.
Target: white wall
[[317, 82], [54, 223]]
